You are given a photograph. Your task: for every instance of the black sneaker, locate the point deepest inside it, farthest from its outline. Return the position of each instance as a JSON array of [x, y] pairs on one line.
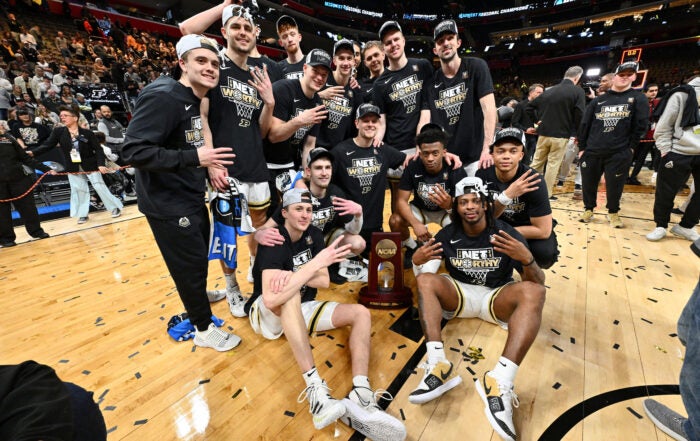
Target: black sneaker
[[8, 244], [678, 211], [42, 235], [334, 276], [633, 181], [553, 198], [408, 258]]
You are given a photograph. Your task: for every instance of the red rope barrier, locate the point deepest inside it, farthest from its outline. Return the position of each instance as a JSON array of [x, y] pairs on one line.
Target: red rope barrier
[[31, 189]]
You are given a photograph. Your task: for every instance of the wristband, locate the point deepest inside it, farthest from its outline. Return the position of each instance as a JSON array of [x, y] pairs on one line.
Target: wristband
[[503, 199], [529, 263]]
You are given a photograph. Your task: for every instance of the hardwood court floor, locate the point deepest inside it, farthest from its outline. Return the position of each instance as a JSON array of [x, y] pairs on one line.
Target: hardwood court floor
[[93, 302]]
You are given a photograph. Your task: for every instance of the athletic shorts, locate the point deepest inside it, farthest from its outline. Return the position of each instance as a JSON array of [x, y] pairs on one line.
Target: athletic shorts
[[426, 217], [394, 174], [317, 316], [474, 301], [256, 193]]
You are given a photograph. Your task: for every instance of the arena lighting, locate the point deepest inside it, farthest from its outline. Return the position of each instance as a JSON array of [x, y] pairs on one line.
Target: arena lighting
[[593, 72]]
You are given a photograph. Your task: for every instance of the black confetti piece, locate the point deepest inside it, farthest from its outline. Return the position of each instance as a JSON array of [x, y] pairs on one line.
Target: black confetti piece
[[289, 413], [142, 312], [72, 298], [134, 354], [652, 300], [137, 375], [648, 321], [98, 320], [613, 275], [634, 413], [572, 340], [616, 322], [616, 346], [320, 334], [63, 361], [557, 348], [111, 429], [330, 336], [140, 422], [392, 314], [454, 349], [194, 348], [556, 385], [146, 342], [110, 408], [236, 393], [230, 328], [403, 416], [673, 335], [204, 381], [103, 394], [401, 346], [393, 355], [555, 331], [470, 370], [340, 345], [459, 340], [329, 364], [86, 372]]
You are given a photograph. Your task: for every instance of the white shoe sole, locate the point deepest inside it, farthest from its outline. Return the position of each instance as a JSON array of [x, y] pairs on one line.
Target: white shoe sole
[[377, 425], [233, 341], [216, 295], [663, 427], [495, 424], [424, 398]]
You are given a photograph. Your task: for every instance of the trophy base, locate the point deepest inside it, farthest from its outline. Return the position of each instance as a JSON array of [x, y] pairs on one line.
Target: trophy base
[[389, 299]]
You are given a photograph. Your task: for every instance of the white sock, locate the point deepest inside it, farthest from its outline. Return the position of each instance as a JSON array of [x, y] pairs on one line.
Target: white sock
[[230, 280], [409, 243], [311, 376], [436, 352], [505, 370], [360, 381], [252, 261]]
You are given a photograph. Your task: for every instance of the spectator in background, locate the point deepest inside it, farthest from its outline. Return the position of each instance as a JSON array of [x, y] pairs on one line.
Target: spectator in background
[[647, 144], [521, 120], [505, 112], [26, 38], [13, 183], [62, 44], [28, 132], [67, 97], [60, 77], [114, 131], [373, 57], [46, 117], [23, 82], [36, 33]]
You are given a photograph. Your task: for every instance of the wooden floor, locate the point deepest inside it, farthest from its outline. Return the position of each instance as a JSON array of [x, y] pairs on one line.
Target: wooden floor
[[93, 302]]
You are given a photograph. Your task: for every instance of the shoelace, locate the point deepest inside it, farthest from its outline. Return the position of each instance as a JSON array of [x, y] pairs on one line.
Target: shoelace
[[379, 394], [508, 390], [217, 336], [311, 392]]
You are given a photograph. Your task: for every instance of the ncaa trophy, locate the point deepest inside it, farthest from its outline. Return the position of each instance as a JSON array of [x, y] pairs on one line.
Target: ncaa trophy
[[385, 288]]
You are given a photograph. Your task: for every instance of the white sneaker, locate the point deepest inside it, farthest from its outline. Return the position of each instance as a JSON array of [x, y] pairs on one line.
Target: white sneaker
[[658, 234], [365, 416], [499, 399], [250, 270], [216, 295], [323, 408], [685, 233], [652, 181], [216, 338], [236, 301], [438, 379]]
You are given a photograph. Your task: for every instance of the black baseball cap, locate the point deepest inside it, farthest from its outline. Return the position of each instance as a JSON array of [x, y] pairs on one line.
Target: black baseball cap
[[367, 109], [509, 134], [286, 19], [343, 44], [317, 153], [387, 27], [318, 57], [627, 65], [445, 27]]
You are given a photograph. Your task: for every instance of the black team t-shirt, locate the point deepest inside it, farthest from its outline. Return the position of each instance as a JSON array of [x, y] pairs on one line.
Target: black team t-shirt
[[529, 205], [417, 179], [234, 114], [473, 260], [324, 217], [398, 95], [274, 71], [454, 105], [361, 173], [289, 256], [340, 121], [290, 101], [291, 71]]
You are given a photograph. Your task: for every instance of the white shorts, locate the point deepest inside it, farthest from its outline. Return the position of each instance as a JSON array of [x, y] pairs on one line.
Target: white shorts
[[317, 316], [474, 301], [396, 173], [333, 235], [425, 217], [256, 193]]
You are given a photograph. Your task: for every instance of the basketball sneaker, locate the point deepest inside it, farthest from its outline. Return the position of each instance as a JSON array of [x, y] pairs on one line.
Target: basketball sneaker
[[216, 339], [236, 301], [500, 400], [216, 295], [685, 233], [323, 408], [586, 216], [364, 415], [669, 421], [615, 220], [438, 379]]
